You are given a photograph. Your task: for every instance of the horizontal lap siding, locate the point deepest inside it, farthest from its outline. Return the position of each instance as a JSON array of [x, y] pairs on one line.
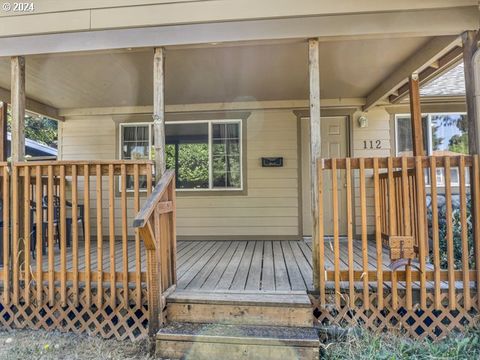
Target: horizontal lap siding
[[268, 209], [378, 129], [94, 138]]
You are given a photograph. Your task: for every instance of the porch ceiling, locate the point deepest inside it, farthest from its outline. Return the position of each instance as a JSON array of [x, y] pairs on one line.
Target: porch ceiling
[[222, 73]]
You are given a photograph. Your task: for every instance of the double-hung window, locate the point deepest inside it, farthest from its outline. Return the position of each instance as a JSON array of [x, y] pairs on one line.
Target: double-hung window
[[135, 144], [444, 134], [206, 154]]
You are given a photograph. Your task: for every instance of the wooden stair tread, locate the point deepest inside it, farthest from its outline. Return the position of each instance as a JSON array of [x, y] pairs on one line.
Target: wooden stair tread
[[297, 299], [240, 334]]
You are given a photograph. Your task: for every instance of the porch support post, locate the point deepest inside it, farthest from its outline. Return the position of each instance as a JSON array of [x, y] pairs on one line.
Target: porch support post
[[159, 112], [18, 108], [416, 115], [3, 131], [471, 62], [472, 88], [17, 151], [315, 153]]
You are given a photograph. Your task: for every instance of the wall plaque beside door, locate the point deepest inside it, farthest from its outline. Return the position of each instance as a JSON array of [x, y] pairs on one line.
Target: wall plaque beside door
[[272, 161]]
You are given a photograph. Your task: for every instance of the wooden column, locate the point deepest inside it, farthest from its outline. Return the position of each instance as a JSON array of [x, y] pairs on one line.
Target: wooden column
[[418, 150], [17, 151], [159, 112], [470, 40], [18, 108], [416, 116], [471, 64], [315, 150], [3, 131]]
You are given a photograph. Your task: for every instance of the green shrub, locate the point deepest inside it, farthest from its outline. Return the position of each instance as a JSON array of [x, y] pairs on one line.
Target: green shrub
[[457, 231]]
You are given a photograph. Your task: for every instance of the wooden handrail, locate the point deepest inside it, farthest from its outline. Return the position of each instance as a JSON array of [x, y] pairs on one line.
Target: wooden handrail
[[396, 174], [83, 162], [153, 200], [326, 164], [155, 223]]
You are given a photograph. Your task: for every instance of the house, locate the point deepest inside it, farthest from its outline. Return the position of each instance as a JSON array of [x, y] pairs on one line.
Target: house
[[294, 148], [34, 149]]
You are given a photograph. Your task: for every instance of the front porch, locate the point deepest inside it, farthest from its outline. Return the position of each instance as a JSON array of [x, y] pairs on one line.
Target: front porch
[[138, 232], [91, 242]]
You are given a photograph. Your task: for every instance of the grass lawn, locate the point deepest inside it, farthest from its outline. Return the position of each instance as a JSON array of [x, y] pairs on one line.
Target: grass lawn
[[359, 344], [362, 344]]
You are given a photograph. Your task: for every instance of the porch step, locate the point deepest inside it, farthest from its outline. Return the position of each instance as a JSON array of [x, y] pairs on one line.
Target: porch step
[[261, 309], [216, 341]]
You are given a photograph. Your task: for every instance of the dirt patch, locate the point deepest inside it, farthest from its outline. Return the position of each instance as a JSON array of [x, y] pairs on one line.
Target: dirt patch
[[27, 344]]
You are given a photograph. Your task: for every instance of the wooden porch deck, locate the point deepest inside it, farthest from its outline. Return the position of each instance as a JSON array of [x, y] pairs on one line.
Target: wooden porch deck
[[234, 265], [254, 265]]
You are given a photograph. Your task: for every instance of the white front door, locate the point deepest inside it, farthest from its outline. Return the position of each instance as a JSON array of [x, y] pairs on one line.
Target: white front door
[[334, 145]]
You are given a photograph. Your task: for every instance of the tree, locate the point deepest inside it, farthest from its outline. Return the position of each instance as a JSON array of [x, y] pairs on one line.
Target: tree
[[192, 169], [38, 128], [456, 143], [459, 143]]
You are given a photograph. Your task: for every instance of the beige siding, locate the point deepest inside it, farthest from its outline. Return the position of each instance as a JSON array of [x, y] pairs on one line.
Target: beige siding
[[268, 209], [93, 138], [378, 129]]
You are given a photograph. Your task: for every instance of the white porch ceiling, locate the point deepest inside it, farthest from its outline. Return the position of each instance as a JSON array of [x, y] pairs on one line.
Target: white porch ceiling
[[348, 69]]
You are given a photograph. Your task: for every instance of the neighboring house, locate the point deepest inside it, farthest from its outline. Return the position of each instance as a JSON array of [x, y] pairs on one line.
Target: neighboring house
[[34, 150], [225, 94]]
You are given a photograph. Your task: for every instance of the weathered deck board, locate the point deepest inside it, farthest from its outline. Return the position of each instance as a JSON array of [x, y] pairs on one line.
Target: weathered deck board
[[254, 280], [231, 270], [241, 265], [243, 269]]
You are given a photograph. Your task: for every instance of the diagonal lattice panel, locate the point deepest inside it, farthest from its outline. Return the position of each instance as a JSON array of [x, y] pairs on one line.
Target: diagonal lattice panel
[[417, 323], [120, 322]]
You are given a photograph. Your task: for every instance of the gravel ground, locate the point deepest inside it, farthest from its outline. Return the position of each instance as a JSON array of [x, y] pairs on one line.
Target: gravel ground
[[26, 344]]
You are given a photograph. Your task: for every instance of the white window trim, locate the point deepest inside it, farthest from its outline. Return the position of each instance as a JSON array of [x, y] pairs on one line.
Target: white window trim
[[120, 145], [136, 124], [430, 145], [429, 125], [210, 143]]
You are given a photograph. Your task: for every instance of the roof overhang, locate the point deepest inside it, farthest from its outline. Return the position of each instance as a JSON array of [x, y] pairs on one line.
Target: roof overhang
[[440, 54], [406, 23]]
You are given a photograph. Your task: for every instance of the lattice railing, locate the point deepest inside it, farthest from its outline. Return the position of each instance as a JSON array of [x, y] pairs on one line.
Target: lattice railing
[[433, 245], [71, 260]]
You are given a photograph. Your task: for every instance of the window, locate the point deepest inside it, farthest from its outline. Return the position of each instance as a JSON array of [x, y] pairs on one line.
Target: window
[[206, 155], [187, 153], [226, 159], [443, 134], [448, 134], [135, 145], [404, 135], [135, 141]]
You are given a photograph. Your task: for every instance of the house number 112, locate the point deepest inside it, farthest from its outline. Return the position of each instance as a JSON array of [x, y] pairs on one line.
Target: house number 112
[[372, 144]]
